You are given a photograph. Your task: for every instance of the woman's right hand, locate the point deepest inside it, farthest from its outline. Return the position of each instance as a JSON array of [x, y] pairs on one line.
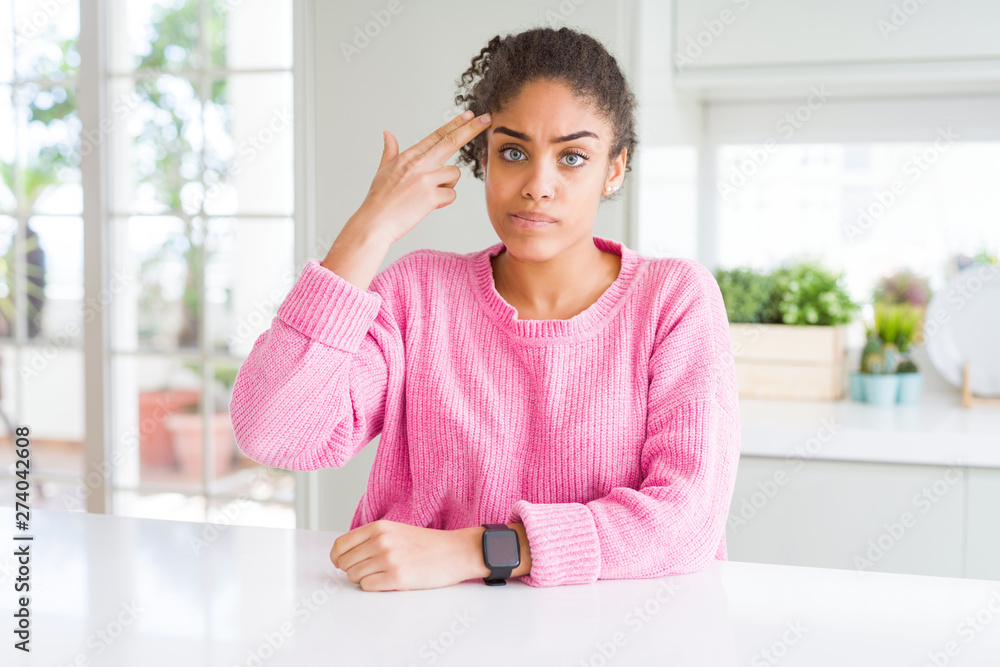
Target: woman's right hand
[[411, 184]]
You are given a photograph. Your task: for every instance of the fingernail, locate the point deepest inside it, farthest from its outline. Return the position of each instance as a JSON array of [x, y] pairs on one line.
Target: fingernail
[[466, 115], [485, 118]]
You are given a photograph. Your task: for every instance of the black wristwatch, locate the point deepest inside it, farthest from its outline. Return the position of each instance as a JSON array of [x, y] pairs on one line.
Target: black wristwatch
[[501, 552]]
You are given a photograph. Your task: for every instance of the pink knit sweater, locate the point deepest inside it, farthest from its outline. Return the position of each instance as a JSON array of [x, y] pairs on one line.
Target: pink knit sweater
[[613, 436]]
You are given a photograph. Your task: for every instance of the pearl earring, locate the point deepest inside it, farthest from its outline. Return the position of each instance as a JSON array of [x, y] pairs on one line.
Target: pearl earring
[[610, 189]]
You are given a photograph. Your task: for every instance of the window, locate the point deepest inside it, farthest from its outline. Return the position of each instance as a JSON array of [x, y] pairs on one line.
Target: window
[[864, 208], [866, 186], [197, 125], [41, 246], [201, 192]]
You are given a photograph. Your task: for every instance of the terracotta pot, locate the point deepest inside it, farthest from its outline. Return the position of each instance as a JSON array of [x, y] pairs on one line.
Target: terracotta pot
[[155, 446], [185, 430]]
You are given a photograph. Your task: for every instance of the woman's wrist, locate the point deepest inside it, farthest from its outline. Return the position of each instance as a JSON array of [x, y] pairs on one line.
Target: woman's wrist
[[476, 565]]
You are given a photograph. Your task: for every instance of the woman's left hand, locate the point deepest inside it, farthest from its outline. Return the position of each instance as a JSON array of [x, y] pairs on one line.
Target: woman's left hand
[[391, 556]]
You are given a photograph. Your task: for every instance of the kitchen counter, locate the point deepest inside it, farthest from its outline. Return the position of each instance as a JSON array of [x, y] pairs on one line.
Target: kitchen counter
[[935, 431], [117, 591]]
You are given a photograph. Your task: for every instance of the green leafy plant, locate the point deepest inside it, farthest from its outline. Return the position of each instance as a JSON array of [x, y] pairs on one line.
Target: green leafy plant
[[984, 256], [746, 293], [891, 339], [872, 360], [802, 294], [896, 324], [807, 293]]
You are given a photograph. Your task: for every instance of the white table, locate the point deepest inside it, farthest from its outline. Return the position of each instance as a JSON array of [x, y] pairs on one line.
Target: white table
[[246, 589]]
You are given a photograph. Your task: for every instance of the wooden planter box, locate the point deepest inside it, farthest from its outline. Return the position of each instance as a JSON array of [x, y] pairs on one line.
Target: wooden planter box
[[790, 361]]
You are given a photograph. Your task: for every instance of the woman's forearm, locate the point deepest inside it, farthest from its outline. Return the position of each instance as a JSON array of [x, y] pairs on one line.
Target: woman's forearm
[[357, 253]]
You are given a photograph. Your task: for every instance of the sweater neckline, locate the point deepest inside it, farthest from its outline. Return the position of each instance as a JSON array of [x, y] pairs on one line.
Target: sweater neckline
[[505, 315]]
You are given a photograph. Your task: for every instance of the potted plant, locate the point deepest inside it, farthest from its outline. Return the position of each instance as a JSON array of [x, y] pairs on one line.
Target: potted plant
[[186, 426], [885, 364], [787, 330], [905, 287], [906, 323], [879, 382], [156, 448], [911, 381]]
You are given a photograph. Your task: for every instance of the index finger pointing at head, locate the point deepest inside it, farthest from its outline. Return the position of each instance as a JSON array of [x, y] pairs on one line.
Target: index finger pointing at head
[[454, 140], [427, 142]]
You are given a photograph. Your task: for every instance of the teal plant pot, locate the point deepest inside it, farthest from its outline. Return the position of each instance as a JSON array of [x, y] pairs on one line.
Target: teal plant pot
[[909, 387], [857, 386], [881, 389]]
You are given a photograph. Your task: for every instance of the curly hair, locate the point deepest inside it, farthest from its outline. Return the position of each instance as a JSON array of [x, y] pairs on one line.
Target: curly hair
[[506, 64]]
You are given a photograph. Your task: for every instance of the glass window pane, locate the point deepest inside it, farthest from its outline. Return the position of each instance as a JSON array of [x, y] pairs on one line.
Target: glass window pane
[[34, 251], [54, 249], [8, 227], [8, 150], [233, 33], [54, 408], [159, 430], [48, 494], [45, 39], [866, 209], [153, 34], [47, 177], [148, 446], [6, 44], [156, 260], [156, 148], [242, 292], [248, 145], [8, 407], [667, 201]]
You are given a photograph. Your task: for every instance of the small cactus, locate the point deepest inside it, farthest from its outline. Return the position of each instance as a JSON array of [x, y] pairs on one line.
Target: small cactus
[[871, 356]]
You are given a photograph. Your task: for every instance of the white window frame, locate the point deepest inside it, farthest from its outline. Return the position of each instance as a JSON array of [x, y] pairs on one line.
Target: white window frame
[[92, 96]]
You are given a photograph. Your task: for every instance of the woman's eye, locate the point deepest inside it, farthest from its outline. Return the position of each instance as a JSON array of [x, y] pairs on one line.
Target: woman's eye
[[508, 150], [511, 154]]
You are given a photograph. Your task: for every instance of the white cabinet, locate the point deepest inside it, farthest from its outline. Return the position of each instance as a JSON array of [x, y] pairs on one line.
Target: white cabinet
[[733, 49], [748, 33], [907, 489], [874, 517], [983, 525]]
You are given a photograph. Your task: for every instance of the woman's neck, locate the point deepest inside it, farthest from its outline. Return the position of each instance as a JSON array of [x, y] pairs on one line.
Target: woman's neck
[[558, 288]]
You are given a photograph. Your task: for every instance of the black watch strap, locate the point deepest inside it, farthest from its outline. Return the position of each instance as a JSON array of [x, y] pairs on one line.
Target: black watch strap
[[498, 574]]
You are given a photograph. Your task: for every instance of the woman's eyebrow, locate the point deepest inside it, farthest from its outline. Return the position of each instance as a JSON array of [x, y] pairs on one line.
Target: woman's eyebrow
[[558, 140]]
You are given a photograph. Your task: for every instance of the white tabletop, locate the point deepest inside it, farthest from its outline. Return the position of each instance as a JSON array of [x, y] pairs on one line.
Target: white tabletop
[[113, 591]]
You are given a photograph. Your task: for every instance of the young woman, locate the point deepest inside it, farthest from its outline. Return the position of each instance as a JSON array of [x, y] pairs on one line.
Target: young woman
[[557, 382]]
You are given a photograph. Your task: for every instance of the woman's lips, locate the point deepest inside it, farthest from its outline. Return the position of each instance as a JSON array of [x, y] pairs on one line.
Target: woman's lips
[[524, 223]]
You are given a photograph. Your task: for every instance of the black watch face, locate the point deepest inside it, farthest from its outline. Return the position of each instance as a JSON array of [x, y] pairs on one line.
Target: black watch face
[[501, 548]]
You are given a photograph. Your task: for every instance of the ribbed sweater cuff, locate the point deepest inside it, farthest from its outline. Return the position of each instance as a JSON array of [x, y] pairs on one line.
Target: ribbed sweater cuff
[[565, 548], [327, 308]]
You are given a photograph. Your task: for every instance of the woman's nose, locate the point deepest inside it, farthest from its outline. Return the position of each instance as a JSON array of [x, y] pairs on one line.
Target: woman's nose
[[541, 181]]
